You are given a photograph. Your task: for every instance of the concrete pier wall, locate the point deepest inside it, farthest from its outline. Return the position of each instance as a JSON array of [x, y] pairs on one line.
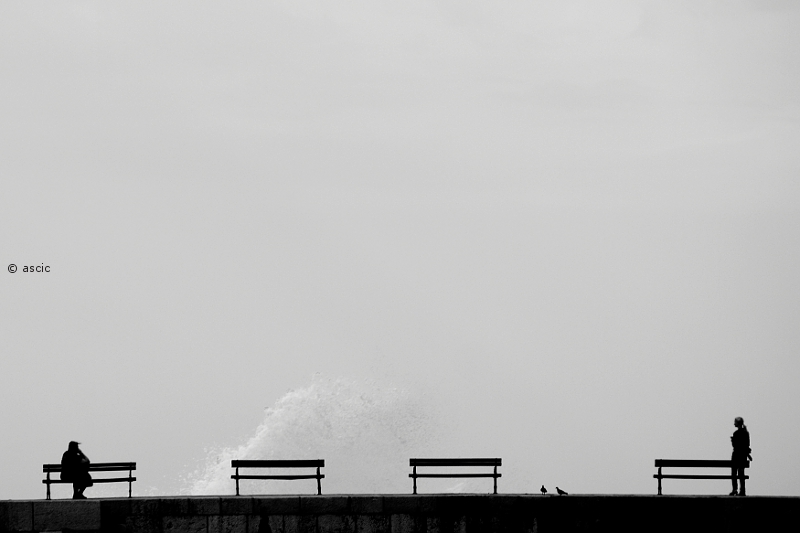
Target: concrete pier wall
[[404, 514]]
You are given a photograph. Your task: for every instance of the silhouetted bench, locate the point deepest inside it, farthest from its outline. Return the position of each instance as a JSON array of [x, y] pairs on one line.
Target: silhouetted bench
[[495, 462], [693, 463], [94, 467], [277, 463]]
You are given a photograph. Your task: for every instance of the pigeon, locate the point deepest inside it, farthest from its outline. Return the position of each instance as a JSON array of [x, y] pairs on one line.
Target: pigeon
[[561, 492], [544, 490]]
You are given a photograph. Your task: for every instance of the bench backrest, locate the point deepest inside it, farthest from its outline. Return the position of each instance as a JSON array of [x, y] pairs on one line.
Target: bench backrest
[[697, 463], [94, 467], [470, 461], [277, 463]]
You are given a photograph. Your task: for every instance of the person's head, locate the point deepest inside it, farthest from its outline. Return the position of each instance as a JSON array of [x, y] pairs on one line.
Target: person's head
[[738, 422], [73, 446]]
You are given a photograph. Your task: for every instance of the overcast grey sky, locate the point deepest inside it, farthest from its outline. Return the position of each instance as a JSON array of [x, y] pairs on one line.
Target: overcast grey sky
[[571, 227]]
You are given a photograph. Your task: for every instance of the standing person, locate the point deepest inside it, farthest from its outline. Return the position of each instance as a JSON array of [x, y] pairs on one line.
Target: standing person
[[75, 468], [741, 454]]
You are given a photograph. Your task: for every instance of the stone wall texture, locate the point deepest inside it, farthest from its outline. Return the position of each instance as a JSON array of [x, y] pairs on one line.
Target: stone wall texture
[[456, 513]]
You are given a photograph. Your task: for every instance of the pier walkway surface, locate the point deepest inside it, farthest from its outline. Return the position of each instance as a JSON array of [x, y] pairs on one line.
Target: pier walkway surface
[[395, 513]]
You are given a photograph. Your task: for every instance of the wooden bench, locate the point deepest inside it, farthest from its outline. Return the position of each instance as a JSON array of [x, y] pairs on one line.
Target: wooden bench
[[277, 463], [495, 462], [94, 467], [693, 463]]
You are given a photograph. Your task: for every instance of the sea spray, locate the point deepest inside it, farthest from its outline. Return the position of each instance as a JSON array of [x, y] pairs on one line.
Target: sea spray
[[365, 431]]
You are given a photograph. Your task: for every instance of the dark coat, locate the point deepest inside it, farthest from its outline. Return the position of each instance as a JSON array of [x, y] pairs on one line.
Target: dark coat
[[75, 468], [741, 443]]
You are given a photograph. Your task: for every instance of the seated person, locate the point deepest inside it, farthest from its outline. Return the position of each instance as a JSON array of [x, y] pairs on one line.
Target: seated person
[[75, 468]]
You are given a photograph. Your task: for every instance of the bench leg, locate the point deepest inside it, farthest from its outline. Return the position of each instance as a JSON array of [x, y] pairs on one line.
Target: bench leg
[[659, 481], [319, 483], [414, 477], [495, 480]]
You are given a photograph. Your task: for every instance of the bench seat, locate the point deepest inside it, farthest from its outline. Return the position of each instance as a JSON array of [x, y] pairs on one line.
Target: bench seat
[[456, 462], [93, 467], [694, 463], [278, 463]]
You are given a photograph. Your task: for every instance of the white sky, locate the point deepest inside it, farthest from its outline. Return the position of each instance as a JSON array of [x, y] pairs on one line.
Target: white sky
[[573, 225]]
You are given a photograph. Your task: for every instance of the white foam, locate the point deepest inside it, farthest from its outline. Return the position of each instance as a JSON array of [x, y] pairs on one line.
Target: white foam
[[365, 431]]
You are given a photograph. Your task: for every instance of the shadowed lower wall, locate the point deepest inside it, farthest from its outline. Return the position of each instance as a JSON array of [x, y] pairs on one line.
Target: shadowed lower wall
[[404, 514]]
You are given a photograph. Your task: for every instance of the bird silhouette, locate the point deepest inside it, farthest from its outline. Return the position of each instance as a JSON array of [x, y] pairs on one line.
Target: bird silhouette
[[544, 490], [561, 492]]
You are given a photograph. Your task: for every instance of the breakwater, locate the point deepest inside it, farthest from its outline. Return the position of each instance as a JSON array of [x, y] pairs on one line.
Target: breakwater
[[436, 513]]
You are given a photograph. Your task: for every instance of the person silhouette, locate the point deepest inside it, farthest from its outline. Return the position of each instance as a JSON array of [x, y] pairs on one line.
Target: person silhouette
[[75, 468], [741, 454]]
